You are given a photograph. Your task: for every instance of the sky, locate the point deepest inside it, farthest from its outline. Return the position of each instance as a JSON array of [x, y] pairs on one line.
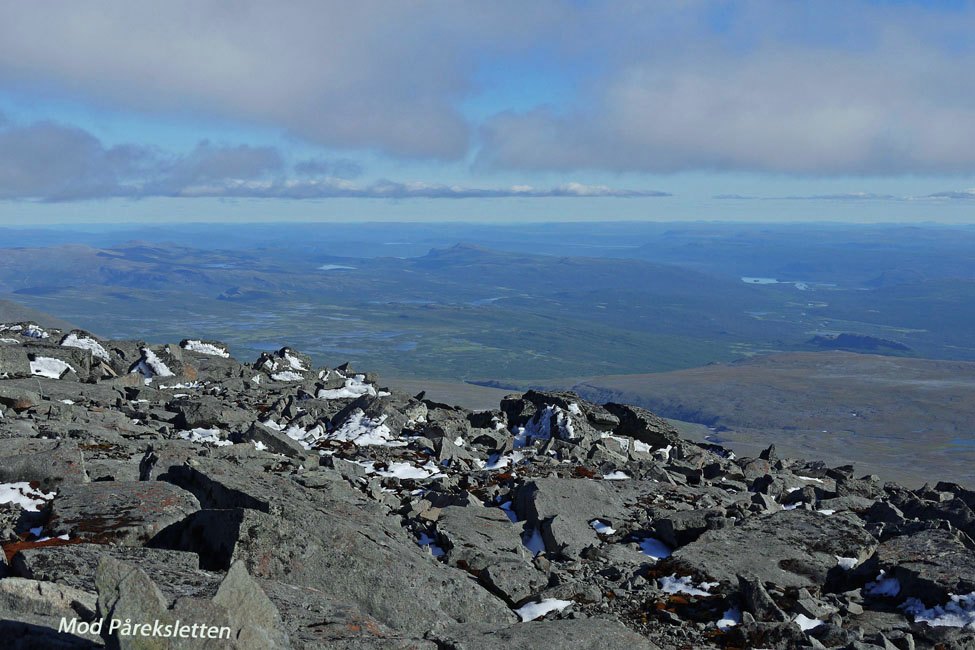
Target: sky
[[550, 110]]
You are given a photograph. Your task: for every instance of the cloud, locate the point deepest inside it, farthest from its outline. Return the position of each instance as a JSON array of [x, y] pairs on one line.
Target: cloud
[[339, 168], [53, 162], [843, 196], [951, 195], [370, 74], [386, 189], [835, 87]]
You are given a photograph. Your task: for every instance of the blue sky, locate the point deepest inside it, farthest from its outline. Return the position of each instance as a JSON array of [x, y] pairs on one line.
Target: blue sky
[[505, 111]]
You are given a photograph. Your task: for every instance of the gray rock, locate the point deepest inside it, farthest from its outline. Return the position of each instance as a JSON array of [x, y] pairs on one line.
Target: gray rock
[[18, 397], [475, 538], [563, 508], [756, 601], [274, 441], [14, 362], [930, 565], [790, 548], [251, 612], [119, 512], [49, 462], [642, 425], [75, 566], [38, 598], [126, 592], [583, 634]]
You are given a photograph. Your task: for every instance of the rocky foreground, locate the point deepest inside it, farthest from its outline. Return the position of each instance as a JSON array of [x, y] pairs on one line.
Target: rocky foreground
[[279, 506]]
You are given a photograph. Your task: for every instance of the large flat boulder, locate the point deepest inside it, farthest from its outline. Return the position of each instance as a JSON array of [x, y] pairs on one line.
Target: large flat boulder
[[119, 512], [49, 462], [790, 548]]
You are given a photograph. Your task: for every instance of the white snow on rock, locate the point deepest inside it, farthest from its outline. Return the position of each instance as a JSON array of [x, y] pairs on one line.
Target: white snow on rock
[[295, 363], [363, 430], [406, 470], [287, 375], [883, 586], [730, 618], [654, 548], [533, 541], [32, 331], [212, 436], [672, 584], [497, 461], [22, 494], [574, 409], [206, 348], [957, 612], [85, 343], [48, 367], [806, 623], [617, 476], [540, 427], [846, 562], [601, 527], [531, 611], [354, 387], [151, 365]]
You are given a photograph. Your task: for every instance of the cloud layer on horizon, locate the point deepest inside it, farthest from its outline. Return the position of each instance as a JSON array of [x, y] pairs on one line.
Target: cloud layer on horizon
[[837, 87], [52, 162]]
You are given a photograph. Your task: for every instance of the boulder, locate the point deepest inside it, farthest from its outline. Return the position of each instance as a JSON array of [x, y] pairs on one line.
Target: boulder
[[130, 513], [789, 548]]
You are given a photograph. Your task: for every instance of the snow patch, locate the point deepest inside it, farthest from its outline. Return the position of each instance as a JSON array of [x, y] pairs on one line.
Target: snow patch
[[602, 528], [531, 611], [846, 562], [354, 387], [672, 584], [211, 436], [85, 343], [533, 541], [362, 430], [22, 494], [654, 548], [616, 476], [287, 375], [730, 618], [883, 586], [806, 623], [957, 612], [48, 367], [206, 348]]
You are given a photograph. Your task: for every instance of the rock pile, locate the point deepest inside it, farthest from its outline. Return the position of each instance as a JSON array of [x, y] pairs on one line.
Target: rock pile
[[274, 505]]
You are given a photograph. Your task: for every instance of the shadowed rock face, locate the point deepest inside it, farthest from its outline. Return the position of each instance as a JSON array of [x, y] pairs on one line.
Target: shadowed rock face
[[310, 508]]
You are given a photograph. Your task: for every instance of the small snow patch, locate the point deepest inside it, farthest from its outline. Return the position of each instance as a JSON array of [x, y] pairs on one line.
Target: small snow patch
[[730, 618], [212, 436], [531, 611], [533, 541], [806, 623], [354, 387], [883, 586], [48, 367], [287, 375], [957, 612], [654, 548], [672, 584], [206, 348], [85, 343], [846, 562], [601, 527], [22, 494], [616, 476]]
